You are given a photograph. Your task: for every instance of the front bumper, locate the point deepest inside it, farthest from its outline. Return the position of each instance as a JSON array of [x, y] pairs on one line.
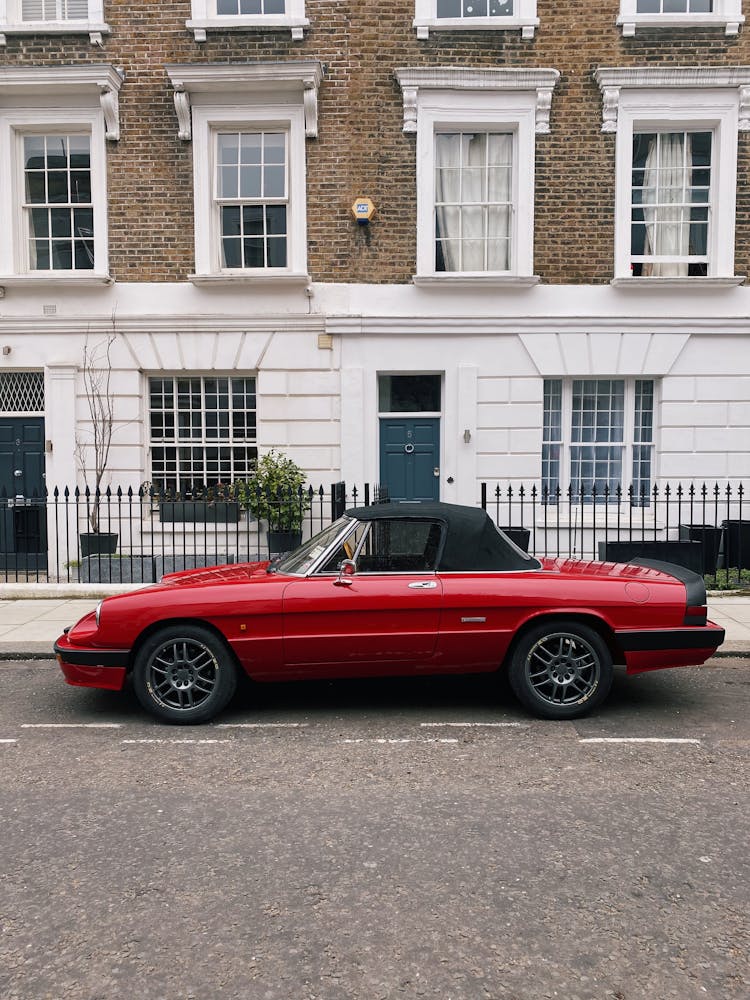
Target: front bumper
[[657, 649], [98, 668]]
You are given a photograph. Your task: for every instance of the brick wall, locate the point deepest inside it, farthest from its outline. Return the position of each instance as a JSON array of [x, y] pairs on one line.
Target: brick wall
[[361, 148]]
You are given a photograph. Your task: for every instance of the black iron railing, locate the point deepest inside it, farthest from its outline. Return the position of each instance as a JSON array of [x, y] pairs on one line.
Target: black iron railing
[[144, 533]]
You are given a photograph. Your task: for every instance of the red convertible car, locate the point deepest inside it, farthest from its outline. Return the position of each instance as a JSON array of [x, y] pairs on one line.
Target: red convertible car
[[394, 590]]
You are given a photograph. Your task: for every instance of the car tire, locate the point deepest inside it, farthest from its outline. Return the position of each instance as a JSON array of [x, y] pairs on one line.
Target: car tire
[[561, 670], [184, 674]]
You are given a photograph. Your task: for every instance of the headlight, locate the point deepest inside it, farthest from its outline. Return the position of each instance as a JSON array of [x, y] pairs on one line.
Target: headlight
[[98, 612]]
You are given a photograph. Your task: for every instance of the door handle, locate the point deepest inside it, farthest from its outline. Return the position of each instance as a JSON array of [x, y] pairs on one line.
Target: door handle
[[423, 585], [18, 473]]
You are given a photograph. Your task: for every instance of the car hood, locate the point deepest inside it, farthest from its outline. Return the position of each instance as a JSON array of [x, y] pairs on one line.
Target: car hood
[[231, 573]]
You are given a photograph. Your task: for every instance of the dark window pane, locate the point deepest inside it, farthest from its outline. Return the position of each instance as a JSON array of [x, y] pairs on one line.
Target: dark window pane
[[231, 249], [57, 181], [40, 255], [80, 186], [62, 255], [276, 220], [39, 222], [230, 220], [409, 393], [252, 220], [254, 256], [36, 191], [277, 252], [60, 221], [84, 255]]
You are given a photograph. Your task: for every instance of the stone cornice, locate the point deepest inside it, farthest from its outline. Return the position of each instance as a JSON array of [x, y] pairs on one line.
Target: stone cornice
[[51, 81], [412, 80], [237, 79], [612, 81]]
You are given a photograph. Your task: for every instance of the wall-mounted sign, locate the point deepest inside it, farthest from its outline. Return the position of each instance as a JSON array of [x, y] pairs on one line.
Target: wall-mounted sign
[[363, 210]]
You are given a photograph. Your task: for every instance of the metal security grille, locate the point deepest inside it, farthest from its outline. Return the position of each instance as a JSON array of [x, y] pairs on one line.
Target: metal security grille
[[22, 392]]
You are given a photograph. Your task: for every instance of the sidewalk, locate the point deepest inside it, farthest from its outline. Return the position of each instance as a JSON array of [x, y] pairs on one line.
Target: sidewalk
[[29, 624]]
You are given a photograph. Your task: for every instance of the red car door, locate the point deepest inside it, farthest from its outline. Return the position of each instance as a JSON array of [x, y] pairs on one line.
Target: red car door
[[373, 623]]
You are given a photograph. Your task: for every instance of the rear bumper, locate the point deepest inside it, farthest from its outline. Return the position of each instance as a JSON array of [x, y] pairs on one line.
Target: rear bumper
[[657, 649], [98, 668]]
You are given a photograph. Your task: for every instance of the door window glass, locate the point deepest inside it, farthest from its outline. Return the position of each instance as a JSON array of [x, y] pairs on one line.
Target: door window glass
[[409, 393]]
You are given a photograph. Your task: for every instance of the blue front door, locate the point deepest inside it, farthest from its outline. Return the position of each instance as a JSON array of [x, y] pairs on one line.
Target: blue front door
[[410, 457]]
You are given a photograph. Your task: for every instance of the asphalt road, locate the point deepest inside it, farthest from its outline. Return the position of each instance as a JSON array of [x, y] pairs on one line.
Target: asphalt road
[[389, 840]]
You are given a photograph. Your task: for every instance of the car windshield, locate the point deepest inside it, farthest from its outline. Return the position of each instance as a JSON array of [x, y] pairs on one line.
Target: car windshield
[[302, 559]]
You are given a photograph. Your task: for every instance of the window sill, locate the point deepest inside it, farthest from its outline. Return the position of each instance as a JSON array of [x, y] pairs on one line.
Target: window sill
[[44, 278], [688, 282], [477, 280], [526, 25], [94, 31], [261, 22], [250, 278], [630, 23]]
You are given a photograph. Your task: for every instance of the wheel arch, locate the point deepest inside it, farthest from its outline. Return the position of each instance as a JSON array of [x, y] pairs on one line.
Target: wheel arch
[[593, 621], [163, 623]]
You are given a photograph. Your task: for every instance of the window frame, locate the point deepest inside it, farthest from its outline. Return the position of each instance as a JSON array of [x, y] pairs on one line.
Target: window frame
[[512, 113], [177, 443], [629, 444], [204, 19], [14, 125], [208, 122], [662, 259], [12, 23], [696, 99], [266, 96], [524, 19], [727, 14]]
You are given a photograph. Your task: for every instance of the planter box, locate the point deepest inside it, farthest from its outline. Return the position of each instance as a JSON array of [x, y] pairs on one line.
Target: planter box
[[177, 563], [199, 511], [125, 569], [687, 554], [99, 542], [735, 545], [281, 542], [709, 535]]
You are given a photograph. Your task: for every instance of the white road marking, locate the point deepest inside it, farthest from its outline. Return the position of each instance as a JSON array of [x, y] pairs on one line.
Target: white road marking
[[391, 742], [469, 725], [178, 741], [71, 725], [261, 725], [638, 739], [8, 741]]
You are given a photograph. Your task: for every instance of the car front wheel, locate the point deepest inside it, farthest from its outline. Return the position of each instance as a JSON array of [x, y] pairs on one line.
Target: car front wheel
[[184, 674], [561, 670]]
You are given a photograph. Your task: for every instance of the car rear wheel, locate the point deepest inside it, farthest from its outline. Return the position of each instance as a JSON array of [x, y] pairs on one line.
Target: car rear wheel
[[184, 674], [561, 670]]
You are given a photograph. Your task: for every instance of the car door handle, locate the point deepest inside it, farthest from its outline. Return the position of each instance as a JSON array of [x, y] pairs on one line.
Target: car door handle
[[423, 585]]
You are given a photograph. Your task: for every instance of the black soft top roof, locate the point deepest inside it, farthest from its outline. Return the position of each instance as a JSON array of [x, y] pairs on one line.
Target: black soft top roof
[[472, 541]]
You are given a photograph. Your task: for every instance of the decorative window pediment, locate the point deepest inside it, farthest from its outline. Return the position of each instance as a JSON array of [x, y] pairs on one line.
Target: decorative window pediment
[[54, 123], [248, 124], [675, 170], [665, 14], [247, 15], [53, 17], [476, 132]]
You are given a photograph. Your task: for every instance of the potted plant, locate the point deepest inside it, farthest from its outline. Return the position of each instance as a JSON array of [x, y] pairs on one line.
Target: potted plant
[[97, 377], [275, 493]]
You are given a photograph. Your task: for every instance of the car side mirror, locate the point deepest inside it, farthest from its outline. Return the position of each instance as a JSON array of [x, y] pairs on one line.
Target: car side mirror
[[347, 569]]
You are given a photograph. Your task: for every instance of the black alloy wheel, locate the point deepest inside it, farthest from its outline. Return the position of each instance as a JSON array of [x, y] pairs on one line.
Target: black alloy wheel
[[561, 670], [184, 674]]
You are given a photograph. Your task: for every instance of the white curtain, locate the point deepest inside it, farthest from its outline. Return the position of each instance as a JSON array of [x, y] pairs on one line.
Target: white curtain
[[665, 209], [473, 200], [447, 198]]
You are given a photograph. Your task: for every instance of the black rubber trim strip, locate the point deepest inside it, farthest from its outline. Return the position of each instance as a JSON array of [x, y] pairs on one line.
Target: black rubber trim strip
[[694, 583], [674, 638], [93, 657]]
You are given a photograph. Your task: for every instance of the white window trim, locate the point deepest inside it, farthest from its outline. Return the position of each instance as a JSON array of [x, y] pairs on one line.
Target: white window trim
[[30, 101], [524, 18], [12, 23], [204, 20], [680, 99], [727, 14], [271, 95], [566, 442], [511, 100]]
